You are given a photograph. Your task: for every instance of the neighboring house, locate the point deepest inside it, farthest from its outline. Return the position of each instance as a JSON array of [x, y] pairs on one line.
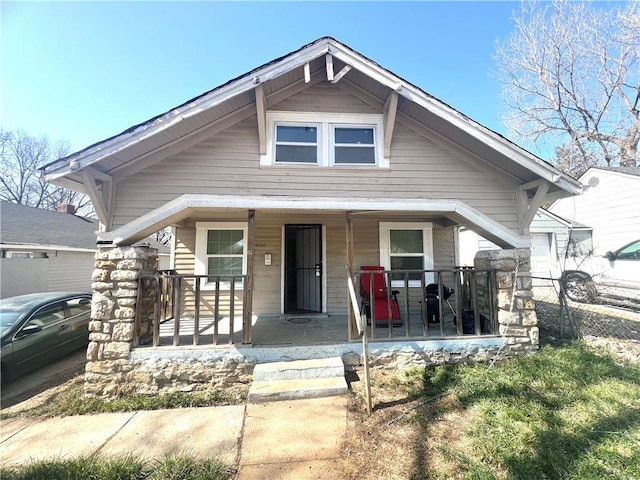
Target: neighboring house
[[610, 205], [550, 235], [45, 250], [283, 175]]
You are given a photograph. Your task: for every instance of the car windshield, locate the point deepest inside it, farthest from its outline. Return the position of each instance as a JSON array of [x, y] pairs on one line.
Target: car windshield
[[9, 317]]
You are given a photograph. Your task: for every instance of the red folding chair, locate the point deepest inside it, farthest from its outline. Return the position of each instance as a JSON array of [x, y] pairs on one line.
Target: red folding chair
[[384, 307]]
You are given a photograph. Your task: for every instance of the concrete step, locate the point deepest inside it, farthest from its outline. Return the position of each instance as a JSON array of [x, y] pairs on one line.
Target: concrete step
[[322, 377], [299, 369], [272, 390]]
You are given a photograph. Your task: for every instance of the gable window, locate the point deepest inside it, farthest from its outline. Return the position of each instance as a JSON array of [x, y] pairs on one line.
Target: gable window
[[220, 252], [354, 145], [324, 140], [296, 144], [407, 246]]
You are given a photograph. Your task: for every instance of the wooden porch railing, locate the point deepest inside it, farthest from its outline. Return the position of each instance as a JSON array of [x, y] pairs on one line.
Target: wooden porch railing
[[181, 304], [471, 306]]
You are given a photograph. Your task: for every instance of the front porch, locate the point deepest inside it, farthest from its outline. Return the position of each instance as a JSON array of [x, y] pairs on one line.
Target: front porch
[[178, 313], [144, 340]]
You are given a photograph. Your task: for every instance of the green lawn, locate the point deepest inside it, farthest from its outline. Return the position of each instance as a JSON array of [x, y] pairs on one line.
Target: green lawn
[[570, 412], [127, 468]]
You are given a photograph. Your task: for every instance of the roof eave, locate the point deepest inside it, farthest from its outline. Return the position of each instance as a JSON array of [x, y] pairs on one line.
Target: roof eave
[[146, 130], [296, 59]]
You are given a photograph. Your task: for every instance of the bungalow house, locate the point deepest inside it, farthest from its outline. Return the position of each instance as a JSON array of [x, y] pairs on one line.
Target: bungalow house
[[273, 183]]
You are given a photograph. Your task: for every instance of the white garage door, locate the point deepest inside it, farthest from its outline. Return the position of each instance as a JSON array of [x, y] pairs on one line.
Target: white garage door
[[540, 255]]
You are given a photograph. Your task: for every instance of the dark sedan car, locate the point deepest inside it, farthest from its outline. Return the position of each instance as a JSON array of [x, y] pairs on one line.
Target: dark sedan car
[[41, 327]]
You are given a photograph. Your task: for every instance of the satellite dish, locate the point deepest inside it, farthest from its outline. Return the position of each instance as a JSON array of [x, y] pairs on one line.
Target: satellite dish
[[594, 181]]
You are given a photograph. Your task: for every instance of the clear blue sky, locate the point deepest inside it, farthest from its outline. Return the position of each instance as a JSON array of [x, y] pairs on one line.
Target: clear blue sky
[[84, 71]]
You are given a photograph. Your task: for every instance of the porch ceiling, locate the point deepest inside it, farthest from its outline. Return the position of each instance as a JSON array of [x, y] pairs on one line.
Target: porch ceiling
[[191, 204]]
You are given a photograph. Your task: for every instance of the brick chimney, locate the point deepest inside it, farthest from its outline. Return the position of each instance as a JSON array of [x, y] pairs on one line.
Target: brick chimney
[[66, 208]]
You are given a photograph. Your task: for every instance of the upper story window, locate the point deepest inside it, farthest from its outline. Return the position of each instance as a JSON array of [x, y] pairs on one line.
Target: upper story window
[[296, 144], [354, 145], [324, 140]]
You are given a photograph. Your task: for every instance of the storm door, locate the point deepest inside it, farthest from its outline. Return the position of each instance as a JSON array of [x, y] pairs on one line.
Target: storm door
[[303, 269]]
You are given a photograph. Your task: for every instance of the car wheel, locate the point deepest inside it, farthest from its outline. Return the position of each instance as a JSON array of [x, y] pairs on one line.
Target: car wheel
[[578, 286]]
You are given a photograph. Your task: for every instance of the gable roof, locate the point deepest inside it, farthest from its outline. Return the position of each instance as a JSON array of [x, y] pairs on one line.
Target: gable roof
[[29, 226], [157, 137], [35, 228], [561, 220], [633, 171]]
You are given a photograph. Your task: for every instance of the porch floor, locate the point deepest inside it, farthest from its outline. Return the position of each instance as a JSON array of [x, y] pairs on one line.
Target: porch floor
[[297, 330]]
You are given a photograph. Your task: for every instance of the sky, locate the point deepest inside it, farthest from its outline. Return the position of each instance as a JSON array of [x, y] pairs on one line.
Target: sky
[[84, 71]]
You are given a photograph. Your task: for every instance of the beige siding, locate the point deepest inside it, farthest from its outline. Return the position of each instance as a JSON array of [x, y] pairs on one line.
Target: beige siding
[[268, 239], [61, 272], [228, 163]]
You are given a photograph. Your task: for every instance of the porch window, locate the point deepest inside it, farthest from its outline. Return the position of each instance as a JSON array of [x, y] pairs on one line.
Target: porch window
[[407, 246], [220, 251]]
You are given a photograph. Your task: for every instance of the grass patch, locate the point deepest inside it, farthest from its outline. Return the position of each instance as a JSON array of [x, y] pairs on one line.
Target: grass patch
[[72, 401], [126, 468], [564, 413]]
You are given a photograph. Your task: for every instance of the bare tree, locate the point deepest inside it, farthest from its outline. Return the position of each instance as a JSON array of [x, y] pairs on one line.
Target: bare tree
[[570, 75], [20, 181]]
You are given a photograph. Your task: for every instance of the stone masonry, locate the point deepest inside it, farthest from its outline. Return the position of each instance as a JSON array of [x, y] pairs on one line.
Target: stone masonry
[[113, 313], [517, 321]]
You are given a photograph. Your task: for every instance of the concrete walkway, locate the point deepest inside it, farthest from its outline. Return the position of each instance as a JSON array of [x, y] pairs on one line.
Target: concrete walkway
[[296, 439]]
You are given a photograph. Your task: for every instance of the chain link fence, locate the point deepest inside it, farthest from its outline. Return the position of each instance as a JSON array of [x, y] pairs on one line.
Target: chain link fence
[[602, 316]]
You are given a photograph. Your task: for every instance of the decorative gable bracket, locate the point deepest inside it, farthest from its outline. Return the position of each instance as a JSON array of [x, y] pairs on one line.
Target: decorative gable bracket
[[530, 204], [99, 187]]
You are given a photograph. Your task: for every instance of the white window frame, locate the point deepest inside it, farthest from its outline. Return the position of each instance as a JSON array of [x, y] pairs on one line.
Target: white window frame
[[427, 248], [318, 143], [353, 145], [200, 266], [325, 122], [19, 254]]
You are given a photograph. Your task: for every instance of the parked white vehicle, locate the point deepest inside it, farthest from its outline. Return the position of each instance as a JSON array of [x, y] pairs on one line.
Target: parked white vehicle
[[613, 278]]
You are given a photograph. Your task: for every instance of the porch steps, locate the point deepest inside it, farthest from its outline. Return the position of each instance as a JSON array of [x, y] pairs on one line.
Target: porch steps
[[298, 379]]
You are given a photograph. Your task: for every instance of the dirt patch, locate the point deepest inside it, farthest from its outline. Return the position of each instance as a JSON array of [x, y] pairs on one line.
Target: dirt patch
[[405, 436], [626, 351], [43, 393]]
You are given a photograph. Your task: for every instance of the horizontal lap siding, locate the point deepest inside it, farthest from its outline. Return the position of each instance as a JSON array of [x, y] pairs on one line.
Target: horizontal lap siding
[[228, 164], [268, 239], [610, 208]]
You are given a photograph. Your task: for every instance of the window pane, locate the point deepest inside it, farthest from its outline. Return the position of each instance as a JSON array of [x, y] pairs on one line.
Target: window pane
[[630, 251], [296, 134], [406, 263], [48, 316], [406, 241], [580, 243], [224, 266], [78, 306], [225, 242], [362, 136], [359, 155], [296, 153]]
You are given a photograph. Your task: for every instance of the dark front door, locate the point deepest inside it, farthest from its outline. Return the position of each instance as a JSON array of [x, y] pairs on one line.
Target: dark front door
[[303, 268]]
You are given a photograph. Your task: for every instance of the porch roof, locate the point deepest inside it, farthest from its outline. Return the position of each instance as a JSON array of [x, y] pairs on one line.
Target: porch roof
[[188, 204]]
